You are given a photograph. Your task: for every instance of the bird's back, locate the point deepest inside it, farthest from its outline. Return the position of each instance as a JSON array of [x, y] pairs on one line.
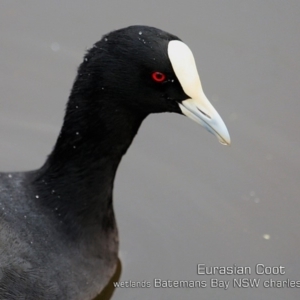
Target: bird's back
[[36, 260]]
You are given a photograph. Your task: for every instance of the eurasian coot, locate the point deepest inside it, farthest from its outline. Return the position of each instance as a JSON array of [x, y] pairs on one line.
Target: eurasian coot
[[58, 236]]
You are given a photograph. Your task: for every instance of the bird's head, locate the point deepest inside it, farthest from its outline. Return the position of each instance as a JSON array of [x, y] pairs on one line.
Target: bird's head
[[151, 71]]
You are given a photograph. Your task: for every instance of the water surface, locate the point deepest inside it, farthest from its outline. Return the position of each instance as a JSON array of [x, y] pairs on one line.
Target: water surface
[[180, 197]]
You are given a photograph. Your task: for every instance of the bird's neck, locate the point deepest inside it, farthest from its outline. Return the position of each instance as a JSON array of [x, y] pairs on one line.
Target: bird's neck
[[76, 181]]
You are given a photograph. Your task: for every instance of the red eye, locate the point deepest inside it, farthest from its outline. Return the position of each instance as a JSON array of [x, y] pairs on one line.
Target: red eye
[[158, 76]]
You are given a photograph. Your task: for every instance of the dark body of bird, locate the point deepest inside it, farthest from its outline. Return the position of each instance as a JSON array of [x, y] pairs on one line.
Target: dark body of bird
[[58, 234]]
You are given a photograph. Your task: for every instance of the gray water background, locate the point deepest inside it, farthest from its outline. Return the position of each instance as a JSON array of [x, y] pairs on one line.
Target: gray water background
[[180, 197]]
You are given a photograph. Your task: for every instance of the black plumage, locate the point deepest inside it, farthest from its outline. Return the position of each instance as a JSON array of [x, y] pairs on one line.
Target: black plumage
[[58, 235]]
